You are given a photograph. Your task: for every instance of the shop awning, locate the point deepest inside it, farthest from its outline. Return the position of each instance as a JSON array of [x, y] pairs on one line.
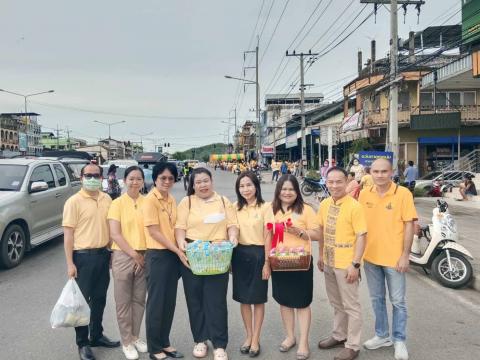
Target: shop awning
[[448, 140]]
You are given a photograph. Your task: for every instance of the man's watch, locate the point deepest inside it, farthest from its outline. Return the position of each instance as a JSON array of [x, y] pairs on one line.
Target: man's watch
[[356, 265]]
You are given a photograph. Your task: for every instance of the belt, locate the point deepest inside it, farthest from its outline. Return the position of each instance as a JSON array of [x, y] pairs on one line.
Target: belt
[[91, 251]]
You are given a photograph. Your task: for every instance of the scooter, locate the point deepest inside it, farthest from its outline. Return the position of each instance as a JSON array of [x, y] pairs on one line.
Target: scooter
[[311, 186], [435, 247]]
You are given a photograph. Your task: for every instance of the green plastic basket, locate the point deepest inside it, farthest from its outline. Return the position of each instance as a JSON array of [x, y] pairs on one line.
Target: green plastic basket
[[206, 258]]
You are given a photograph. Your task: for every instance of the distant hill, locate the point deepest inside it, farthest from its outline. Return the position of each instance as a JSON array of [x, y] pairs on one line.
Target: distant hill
[[200, 153]]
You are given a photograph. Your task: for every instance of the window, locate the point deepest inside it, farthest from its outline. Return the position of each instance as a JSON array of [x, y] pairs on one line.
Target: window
[[426, 99], [403, 100], [454, 99], [62, 179], [469, 98], [43, 173], [441, 99]]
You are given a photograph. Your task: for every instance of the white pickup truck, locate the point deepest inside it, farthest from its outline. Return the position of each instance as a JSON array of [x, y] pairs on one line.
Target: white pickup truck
[[32, 195]]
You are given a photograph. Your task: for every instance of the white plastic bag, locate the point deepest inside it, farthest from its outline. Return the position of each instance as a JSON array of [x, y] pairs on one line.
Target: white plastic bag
[[71, 309]]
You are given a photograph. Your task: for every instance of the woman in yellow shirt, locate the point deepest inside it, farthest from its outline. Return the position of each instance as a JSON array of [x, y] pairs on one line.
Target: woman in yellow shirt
[[125, 219], [250, 267], [162, 261], [293, 290], [205, 215]]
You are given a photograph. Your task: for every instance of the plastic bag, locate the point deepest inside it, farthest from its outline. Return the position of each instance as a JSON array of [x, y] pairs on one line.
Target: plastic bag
[[71, 309]]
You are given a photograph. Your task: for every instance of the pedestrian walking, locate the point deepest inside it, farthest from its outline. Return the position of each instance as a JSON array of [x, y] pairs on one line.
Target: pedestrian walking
[[390, 214], [357, 168], [86, 241], [284, 168], [341, 247], [275, 170], [411, 175], [187, 169], [125, 219], [205, 215], [250, 266], [162, 262], [293, 290]]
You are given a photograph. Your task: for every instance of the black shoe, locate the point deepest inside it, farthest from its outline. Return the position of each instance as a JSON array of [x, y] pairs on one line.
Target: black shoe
[[104, 341], [244, 349], [173, 354], [85, 353], [254, 353]]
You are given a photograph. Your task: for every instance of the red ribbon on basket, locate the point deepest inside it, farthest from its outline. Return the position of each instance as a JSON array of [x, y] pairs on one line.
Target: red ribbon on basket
[[278, 231]]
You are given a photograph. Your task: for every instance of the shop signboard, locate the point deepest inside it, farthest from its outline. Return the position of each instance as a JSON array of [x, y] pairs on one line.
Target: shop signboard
[[353, 122], [366, 158], [267, 150], [291, 141], [22, 142], [470, 21]]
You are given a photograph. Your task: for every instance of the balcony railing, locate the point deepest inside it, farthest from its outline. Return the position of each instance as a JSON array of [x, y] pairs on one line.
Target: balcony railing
[[469, 114]]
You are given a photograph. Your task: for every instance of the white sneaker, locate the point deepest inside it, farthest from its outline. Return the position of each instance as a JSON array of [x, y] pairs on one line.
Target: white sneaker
[[377, 342], [130, 352], [401, 352], [141, 346]]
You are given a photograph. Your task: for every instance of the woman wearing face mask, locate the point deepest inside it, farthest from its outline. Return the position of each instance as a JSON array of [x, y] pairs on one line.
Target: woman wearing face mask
[[250, 267], [162, 261], [357, 168], [126, 230], [293, 290], [205, 215]]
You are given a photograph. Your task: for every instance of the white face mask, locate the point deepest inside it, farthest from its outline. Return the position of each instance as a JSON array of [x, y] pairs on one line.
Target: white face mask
[[91, 184]]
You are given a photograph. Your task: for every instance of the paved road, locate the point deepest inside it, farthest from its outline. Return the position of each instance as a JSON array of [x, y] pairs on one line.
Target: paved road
[[443, 324]]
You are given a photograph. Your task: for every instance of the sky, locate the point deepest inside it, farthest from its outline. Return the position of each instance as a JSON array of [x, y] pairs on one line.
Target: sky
[[159, 65]]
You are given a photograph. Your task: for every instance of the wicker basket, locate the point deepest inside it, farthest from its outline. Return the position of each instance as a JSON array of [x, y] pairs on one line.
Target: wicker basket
[[206, 258], [292, 262]]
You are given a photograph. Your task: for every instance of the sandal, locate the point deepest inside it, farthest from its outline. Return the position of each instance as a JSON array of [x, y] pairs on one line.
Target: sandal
[[200, 350], [220, 354], [285, 348], [302, 356]]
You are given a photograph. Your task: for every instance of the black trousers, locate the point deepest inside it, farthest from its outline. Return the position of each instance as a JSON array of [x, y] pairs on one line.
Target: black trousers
[[93, 278], [207, 306], [162, 270]]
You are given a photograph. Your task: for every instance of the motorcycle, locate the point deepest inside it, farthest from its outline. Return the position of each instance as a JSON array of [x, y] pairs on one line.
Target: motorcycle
[[311, 186], [435, 247], [258, 174]]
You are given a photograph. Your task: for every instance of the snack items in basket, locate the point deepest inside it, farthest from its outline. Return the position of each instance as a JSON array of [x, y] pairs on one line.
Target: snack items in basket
[[207, 258]]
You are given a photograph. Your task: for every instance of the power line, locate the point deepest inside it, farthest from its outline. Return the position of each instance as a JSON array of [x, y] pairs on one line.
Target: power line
[[274, 30], [316, 22], [266, 20]]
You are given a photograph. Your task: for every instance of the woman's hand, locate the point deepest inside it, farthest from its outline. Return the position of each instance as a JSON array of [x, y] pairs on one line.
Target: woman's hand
[[138, 258], [295, 230], [183, 258], [182, 245], [234, 241], [266, 271]]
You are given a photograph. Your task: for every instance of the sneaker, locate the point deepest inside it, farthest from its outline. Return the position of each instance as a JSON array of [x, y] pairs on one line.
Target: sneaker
[[141, 346], [377, 342], [401, 352], [130, 352]]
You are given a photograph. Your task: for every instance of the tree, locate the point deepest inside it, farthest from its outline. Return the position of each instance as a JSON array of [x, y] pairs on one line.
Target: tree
[[359, 145]]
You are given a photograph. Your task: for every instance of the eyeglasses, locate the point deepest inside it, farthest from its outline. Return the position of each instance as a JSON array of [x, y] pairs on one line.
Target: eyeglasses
[[90, 176], [166, 178]]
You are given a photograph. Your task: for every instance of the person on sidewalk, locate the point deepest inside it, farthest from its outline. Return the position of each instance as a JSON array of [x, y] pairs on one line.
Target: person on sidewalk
[[284, 168], [250, 266], [125, 219], [162, 261], [410, 174], [341, 247], [275, 170], [390, 215], [86, 241], [367, 180]]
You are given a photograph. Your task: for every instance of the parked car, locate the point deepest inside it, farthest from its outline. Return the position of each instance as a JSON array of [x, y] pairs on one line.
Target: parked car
[[452, 177], [32, 195]]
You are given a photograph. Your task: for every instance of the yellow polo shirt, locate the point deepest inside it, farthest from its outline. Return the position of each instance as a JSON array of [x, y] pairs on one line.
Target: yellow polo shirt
[[252, 221], [307, 220], [342, 221], [162, 212], [130, 216], [88, 218], [366, 181], [385, 223], [206, 220]]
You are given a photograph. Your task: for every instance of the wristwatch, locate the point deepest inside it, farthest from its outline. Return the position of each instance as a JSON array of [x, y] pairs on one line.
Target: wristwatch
[[356, 265]]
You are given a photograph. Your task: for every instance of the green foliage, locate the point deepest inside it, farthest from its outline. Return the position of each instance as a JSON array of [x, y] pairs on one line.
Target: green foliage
[[201, 153], [359, 145], [179, 155], [313, 174]]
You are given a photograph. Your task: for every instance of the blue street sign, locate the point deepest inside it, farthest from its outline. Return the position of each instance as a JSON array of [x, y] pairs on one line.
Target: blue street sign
[[366, 158]]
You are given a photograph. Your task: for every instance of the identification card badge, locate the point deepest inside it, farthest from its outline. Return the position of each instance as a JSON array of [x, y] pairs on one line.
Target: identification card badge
[[214, 218]]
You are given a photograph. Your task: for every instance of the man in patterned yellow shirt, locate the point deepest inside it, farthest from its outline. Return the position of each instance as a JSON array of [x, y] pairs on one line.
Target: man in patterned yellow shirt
[[341, 247]]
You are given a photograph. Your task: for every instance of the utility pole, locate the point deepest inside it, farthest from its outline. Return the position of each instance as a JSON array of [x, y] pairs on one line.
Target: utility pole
[[393, 142], [302, 100], [58, 137], [69, 147]]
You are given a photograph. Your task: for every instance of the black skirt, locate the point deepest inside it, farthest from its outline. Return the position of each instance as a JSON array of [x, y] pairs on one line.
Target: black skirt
[[247, 265], [293, 289]]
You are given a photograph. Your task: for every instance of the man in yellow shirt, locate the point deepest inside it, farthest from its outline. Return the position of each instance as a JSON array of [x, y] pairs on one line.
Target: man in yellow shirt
[[86, 241], [367, 180], [390, 214], [341, 248], [275, 170]]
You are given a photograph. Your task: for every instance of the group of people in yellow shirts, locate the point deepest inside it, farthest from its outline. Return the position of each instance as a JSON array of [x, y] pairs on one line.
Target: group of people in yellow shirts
[[149, 235]]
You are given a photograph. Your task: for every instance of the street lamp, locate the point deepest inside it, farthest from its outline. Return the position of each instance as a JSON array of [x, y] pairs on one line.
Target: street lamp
[[141, 137], [109, 124]]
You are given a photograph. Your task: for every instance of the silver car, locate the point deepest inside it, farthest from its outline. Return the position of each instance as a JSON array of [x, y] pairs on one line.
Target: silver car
[[32, 195]]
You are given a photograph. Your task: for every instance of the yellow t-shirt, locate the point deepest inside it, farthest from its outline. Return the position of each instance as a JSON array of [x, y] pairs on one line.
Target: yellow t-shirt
[[385, 223], [88, 218], [162, 212], [342, 221], [206, 220], [366, 181], [307, 220], [252, 221], [130, 216]]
